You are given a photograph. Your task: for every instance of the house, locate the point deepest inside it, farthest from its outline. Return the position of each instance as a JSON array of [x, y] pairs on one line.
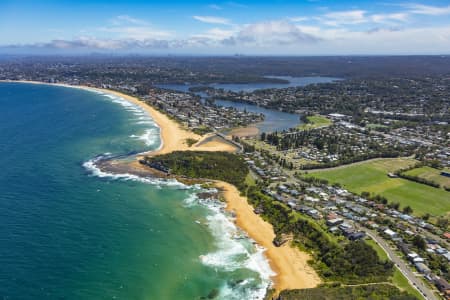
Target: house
[[356, 235], [311, 199], [334, 222], [404, 248], [292, 204], [422, 268], [441, 251], [390, 233], [347, 231], [418, 259], [447, 256], [412, 255], [314, 213], [333, 229], [442, 285], [303, 208]]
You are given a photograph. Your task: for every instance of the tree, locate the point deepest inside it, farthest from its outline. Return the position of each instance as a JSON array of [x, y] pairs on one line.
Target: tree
[[419, 242], [365, 194], [442, 222], [394, 205], [407, 210]]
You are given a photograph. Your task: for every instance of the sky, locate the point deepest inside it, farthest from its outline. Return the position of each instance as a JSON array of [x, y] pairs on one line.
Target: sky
[[302, 27]]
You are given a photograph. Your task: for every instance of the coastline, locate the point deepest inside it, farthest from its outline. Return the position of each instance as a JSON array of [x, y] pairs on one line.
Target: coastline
[[289, 264]]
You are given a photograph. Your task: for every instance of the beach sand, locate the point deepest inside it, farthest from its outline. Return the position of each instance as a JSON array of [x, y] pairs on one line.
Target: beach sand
[[173, 136], [241, 132], [290, 264]]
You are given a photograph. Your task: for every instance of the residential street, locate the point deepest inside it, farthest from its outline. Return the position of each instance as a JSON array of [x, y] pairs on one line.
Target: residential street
[[402, 266]]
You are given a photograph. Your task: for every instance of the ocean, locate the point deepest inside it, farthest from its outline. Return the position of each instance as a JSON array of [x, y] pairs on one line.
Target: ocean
[[70, 231]]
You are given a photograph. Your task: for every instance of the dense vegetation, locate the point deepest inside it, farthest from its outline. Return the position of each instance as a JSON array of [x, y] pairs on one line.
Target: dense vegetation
[[424, 173], [201, 164], [332, 142], [419, 179], [381, 291], [351, 262], [405, 98]]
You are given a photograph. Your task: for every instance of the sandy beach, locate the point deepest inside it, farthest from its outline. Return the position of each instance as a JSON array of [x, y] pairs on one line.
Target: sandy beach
[[290, 264], [173, 136]]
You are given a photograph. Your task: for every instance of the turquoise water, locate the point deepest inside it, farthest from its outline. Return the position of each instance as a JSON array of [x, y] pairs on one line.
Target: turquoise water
[[69, 231]]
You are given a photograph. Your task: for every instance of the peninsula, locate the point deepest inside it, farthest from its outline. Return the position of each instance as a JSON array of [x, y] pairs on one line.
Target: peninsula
[[289, 263]]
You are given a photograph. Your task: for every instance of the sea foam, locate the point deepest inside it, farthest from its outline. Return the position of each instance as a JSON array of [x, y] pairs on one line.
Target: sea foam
[[94, 170], [234, 251], [151, 136]]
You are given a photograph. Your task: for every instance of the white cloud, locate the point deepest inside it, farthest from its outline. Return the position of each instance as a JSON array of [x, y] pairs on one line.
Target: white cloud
[[388, 18], [216, 34], [334, 33], [272, 33], [339, 18], [136, 32], [91, 43], [421, 9], [298, 19], [215, 6], [212, 20], [355, 17], [125, 19], [126, 27]]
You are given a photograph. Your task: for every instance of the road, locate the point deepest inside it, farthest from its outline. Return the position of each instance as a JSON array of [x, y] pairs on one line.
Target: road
[[402, 266], [417, 283]]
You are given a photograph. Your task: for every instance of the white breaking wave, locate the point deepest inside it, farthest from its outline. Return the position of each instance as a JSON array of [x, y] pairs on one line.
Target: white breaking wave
[[90, 166], [234, 251], [151, 136]]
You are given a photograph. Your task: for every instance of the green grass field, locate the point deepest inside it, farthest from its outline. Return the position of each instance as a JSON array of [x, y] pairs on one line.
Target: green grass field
[[380, 252], [372, 177], [398, 279], [315, 122], [430, 174]]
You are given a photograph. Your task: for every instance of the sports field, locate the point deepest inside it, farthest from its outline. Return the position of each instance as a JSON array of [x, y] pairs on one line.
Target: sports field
[[430, 174], [372, 177], [315, 121]]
